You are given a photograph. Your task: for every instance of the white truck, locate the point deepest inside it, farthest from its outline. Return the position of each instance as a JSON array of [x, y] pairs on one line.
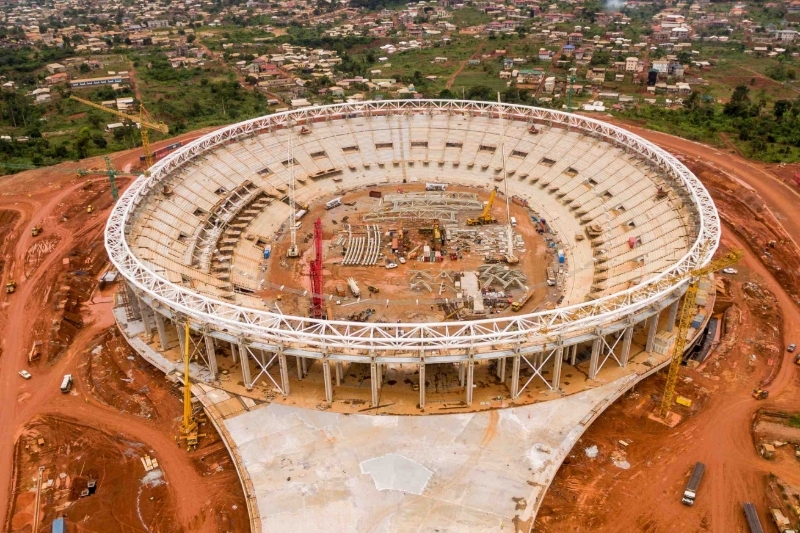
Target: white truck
[[690, 492]]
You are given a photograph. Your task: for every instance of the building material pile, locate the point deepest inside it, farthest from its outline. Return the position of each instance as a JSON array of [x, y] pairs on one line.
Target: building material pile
[[443, 206], [491, 274]]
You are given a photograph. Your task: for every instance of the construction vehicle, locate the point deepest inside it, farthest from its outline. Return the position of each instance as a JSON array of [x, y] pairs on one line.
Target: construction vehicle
[[189, 426], [485, 217], [143, 119], [687, 315], [760, 394], [516, 306], [36, 230], [11, 286], [784, 526], [89, 208], [690, 492], [373, 289], [751, 516]]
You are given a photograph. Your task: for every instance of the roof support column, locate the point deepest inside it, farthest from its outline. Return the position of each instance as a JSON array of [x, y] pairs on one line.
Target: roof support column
[[462, 375], [283, 366], [339, 372], [501, 369], [148, 325], [326, 375], [299, 367], [595, 360], [211, 354], [234, 352], [133, 300], [558, 359], [651, 332], [627, 336], [162, 330], [673, 314], [181, 341], [422, 380], [515, 376], [244, 361], [373, 374], [380, 375], [573, 356], [470, 378]]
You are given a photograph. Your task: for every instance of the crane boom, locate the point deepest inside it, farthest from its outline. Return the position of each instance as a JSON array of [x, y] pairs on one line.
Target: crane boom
[[142, 119], [687, 312], [486, 217]]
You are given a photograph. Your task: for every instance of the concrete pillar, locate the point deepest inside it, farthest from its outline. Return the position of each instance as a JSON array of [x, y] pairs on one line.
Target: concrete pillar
[[470, 379], [373, 374], [651, 333], [501, 369], [133, 300], [235, 352], [180, 328], [515, 376], [299, 367], [211, 355], [304, 364], [146, 322], [244, 360], [573, 356], [626, 345], [284, 369], [162, 330], [339, 372], [594, 362], [422, 383], [673, 315], [558, 358], [326, 375], [461, 374], [380, 375]]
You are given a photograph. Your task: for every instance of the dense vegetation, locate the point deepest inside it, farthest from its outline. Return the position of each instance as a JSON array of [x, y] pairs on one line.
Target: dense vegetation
[[769, 134]]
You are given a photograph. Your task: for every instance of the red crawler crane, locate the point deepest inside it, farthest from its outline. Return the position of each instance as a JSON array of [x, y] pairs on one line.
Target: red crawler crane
[[316, 274]]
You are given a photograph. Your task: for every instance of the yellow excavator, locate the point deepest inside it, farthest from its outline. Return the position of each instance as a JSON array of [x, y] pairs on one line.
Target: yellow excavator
[[485, 217]]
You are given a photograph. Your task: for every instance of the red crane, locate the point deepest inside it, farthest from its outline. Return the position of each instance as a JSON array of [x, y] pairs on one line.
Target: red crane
[[316, 274]]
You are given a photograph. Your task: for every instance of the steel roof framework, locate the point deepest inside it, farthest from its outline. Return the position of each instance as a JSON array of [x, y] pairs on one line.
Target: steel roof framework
[[536, 329]]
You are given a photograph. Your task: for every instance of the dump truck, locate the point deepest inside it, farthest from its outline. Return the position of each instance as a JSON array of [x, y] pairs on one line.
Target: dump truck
[[760, 394], [752, 518], [784, 526], [690, 492], [516, 306], [11, 286], [36, 230]]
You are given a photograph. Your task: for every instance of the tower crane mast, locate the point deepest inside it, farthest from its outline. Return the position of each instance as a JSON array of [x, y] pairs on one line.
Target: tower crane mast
[[687, 312]]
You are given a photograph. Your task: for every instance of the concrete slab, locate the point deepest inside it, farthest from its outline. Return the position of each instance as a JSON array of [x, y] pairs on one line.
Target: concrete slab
[[484, 471]]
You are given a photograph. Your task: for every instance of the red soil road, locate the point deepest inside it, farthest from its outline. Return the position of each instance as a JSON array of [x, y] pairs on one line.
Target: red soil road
[[21, 400]]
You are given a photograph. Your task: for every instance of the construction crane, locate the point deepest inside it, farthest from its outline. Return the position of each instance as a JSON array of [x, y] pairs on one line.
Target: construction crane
[[317, 310], [687, 313], [143, 120], [112, 174], [189, 423], [485, 217]]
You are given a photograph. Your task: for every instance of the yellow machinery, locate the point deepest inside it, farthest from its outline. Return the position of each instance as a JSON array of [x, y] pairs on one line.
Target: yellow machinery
[[189, 423], [516, 306], [36, 230], [687, 313], [11, 286], [486, 217], [143, 119]]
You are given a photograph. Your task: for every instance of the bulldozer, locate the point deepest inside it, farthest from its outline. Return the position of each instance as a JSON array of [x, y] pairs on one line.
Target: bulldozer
[[760, 394], [486, 216], [11, 286], [36, 230]]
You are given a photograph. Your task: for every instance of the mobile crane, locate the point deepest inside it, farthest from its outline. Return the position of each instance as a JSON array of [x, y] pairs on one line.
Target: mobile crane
[[687, 313], [485, 217], [189, 431], [143, 119]]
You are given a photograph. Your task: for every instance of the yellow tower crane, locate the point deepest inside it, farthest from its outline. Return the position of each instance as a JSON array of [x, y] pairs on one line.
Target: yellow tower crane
[[143, 119], [189, 423], [687, 312]]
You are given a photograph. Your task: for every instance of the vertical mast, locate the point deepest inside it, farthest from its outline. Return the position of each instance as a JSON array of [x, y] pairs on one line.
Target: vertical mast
[[293, 251], [510, 257]]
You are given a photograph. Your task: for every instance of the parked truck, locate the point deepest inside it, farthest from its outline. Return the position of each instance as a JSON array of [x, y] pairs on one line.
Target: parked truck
[[784, 526], [752, 518], [690, 492]]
